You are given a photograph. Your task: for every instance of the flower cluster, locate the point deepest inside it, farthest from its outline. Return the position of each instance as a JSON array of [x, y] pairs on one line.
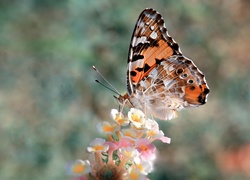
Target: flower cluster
[[128, 152]]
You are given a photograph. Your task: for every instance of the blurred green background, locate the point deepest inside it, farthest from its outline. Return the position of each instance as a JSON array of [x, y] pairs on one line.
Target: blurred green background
[[50, 103]]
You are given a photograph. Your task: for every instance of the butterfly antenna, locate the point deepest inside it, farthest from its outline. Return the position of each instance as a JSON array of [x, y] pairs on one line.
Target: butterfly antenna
[[107, 87], [113, 89]]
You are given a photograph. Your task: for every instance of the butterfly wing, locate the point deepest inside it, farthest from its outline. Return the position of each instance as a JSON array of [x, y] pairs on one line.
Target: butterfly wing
[[150, 44], [160, 80]]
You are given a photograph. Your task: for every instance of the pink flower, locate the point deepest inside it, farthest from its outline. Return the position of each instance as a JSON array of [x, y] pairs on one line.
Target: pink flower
[[146, 149], [124, 142], [157, 134]]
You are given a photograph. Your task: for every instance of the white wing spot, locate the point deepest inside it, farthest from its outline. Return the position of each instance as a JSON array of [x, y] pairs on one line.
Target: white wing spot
[[153, 35], [143, 39], [138, 40], [131, 54], [133, 41], [152, 28]]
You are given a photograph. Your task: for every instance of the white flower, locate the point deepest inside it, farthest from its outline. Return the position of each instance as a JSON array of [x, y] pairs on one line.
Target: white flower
[[80, 167], [107, 128], [98, 145], [137, 117], [119, 118]]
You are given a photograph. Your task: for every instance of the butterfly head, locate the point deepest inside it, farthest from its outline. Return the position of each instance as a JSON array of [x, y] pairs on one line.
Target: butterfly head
[[124, 100]]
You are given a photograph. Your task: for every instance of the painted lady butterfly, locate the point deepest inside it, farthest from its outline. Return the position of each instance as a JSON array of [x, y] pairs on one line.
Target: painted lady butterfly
[[160, 80]]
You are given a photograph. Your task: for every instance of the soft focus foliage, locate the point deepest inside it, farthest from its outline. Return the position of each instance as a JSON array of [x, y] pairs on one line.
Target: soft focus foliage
[[50, 104]]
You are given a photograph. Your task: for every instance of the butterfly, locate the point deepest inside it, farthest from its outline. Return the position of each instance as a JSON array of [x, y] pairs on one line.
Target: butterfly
[[160, 80]]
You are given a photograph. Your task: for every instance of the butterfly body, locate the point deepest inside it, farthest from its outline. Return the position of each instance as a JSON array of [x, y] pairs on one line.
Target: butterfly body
[[160, 80]]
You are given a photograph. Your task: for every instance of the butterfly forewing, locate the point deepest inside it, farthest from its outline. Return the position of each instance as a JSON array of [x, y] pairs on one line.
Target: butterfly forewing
[[150, 44]]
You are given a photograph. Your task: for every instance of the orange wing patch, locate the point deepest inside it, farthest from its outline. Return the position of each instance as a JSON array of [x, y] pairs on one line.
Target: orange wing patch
[[196, 94], [151, 57]]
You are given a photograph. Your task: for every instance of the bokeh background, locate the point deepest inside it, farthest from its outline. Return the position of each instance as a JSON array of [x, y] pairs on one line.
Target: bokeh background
[[50, 103]]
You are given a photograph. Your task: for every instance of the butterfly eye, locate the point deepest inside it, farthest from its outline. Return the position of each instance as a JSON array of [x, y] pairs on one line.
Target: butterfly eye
[[190, 81], [183, 76]]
